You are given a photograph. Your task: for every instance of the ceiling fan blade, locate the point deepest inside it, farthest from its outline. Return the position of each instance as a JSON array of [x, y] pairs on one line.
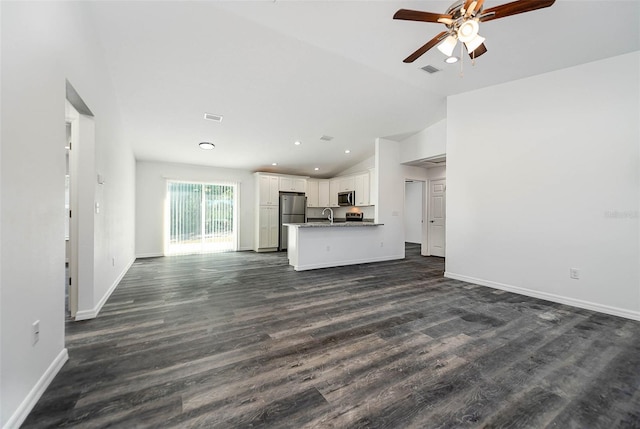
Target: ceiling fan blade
[[424, 48], [478, 51], [416, 15], [514, 8]]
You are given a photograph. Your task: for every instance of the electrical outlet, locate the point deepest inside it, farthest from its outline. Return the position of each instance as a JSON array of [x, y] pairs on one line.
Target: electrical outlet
[[35, 332], [574, 273]]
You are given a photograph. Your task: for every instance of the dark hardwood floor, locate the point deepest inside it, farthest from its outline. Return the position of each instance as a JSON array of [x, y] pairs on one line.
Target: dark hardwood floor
[[242, 340]]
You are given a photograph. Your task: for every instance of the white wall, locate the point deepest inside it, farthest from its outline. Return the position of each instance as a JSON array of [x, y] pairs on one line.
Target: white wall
[[340, 212], [151, 185], [359, 167], [42, 45], [437, 173], [545, 179], [428, 143], [414, 206], [391, 176]]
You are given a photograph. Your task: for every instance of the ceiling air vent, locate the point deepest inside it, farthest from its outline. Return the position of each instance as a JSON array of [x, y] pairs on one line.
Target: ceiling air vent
[[213, 117], [430, 69], [326, 138]]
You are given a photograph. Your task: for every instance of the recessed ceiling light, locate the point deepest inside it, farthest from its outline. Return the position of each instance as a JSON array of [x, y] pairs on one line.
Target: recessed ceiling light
[[274, 163], [451, 60], [317, 168], [206, 145], [297, 143], [347, 151]]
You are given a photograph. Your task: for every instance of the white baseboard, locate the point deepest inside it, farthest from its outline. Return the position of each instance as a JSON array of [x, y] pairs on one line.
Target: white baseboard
[[23, 410], [159, 255], [149, 255], [344, 263], [93, 313], [614, 311]]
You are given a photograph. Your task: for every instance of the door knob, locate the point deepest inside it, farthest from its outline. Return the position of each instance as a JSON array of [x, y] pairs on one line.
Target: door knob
[[431, 221]]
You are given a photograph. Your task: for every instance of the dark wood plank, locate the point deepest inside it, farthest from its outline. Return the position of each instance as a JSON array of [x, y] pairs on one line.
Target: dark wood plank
[[242, 340]]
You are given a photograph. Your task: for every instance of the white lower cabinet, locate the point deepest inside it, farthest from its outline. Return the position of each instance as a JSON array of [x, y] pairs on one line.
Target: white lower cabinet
[[268, 226]]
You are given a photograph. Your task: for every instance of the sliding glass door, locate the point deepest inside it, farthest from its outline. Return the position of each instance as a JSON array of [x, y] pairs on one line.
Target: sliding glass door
[[201, 218]]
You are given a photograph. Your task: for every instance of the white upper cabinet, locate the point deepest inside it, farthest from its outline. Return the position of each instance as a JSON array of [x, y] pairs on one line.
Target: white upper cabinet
[[362, 189], [334, 188], [312, 193], [373, 193], [347, 184], [292, 184], [268, 190], [323, 193]]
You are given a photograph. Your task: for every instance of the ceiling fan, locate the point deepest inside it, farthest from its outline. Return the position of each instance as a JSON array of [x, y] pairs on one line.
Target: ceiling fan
[[462, 21]]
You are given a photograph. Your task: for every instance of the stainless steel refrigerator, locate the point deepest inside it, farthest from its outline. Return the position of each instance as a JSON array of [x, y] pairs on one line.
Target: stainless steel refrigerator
[[292, 210]]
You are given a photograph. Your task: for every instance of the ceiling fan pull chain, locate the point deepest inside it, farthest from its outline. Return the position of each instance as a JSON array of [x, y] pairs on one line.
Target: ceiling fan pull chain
[[461, 60]]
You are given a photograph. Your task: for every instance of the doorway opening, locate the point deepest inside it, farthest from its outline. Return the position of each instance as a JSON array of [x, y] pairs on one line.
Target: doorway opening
[[80, 169], [71, 204], [414, 206], [425, 216], [67, 225]]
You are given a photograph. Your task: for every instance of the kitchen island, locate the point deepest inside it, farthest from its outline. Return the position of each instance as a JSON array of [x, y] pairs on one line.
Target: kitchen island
[[323, 244]]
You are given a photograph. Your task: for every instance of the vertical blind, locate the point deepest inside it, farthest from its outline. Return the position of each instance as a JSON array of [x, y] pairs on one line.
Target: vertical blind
[[201, 218]]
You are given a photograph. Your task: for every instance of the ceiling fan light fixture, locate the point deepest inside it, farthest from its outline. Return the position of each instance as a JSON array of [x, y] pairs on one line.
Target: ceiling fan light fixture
[[448, 45], [468, 30], [451, 60], [473, 44]]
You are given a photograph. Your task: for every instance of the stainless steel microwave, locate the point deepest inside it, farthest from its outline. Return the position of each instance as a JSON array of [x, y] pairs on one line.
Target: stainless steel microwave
[[346, 198]]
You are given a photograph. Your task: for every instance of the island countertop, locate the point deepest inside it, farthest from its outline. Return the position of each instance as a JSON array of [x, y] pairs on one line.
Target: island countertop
[[315, 245], [332, 225]]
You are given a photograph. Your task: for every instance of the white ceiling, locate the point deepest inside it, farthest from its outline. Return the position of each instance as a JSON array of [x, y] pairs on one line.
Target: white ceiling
[[281, 71]]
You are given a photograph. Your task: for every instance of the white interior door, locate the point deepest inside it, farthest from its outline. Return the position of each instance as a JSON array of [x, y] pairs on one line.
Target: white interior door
[[413, 211], [437, 217]]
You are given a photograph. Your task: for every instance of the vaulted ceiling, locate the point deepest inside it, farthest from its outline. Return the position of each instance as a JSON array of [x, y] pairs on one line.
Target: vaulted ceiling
[[286, 71]]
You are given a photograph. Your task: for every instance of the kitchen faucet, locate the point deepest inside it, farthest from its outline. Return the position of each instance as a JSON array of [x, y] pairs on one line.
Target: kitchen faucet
[[330, 213]]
